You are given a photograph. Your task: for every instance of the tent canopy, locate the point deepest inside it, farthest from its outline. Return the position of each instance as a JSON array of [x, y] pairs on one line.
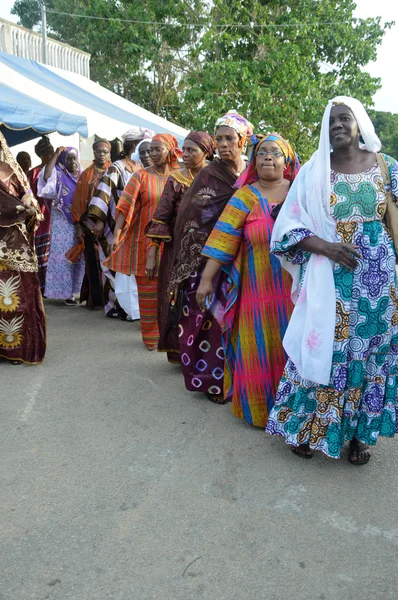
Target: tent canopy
[[107, 114], [22, 118]]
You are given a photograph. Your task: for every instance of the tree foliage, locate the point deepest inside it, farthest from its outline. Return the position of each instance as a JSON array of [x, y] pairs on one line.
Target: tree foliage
[[279, 65], [386, 125]]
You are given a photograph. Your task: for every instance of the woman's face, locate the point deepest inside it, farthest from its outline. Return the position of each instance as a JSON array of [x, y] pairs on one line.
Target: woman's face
[[192, 155], [159, 153], [227, 141], [72, 164], [270, 161], [102, 154], [145, 154], [343, 128]]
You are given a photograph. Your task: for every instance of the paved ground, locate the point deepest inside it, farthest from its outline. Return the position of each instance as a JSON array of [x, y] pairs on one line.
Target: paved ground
[[117, 484]]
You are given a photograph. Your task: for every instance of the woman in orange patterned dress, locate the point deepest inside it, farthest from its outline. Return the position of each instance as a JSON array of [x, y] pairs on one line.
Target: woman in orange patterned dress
[[135, 209]]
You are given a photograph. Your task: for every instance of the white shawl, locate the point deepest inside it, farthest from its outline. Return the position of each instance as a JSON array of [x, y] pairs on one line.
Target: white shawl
[[310, 335]]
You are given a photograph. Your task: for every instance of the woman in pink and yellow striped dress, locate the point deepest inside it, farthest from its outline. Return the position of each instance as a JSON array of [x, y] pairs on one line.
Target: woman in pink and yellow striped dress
[[258, 302]]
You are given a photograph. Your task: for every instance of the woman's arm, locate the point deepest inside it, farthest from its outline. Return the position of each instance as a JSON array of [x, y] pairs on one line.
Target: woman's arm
[[343, 254], [50, 166], [119, 224]]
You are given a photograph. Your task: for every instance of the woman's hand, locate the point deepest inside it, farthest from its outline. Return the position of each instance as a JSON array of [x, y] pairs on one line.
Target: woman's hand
[[343, 254], [115, 241], [173, 294], [98, 229], [151, 267], [204, 291], [79, 233]]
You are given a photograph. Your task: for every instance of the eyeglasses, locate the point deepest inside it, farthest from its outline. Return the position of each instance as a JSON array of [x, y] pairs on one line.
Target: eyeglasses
[[101, 151], [274, 153]]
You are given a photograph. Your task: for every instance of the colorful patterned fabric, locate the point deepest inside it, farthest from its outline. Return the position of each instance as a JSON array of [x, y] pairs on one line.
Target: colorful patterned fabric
[[147, 299], [137, 203], [258, 304], [42, 234], [161, 229], [361, 398], [171, 144], [291, 159], [242, 126], [202, 353]]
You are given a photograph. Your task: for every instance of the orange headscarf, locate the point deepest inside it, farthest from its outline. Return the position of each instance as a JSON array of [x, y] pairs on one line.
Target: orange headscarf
[[172, 146]]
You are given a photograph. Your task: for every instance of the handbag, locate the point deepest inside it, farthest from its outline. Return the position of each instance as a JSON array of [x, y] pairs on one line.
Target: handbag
[[391, 216]]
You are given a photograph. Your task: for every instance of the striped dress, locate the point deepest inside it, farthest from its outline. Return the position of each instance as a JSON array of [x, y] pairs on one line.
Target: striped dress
[[258, 304], [138, 203]]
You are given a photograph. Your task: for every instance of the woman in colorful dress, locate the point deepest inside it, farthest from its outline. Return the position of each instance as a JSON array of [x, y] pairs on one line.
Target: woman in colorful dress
[[57, 182], [130, 245], [340, 381], [102, 211], [45, 152], [92, 287], [22, 319], [198, 148], [258, 300], [200, 339]]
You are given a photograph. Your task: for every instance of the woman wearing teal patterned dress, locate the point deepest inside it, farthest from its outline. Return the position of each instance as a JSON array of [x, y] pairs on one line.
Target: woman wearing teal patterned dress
[[340, 382]]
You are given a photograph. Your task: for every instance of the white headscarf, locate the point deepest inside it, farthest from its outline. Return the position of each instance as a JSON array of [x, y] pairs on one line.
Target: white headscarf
[[137, 133], [136, 154], [310, 335]]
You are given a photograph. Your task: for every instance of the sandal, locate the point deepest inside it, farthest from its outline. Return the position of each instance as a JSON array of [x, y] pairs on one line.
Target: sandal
[[16, 362], [216, 398], [303, 451], [358, 453], [70, 302]]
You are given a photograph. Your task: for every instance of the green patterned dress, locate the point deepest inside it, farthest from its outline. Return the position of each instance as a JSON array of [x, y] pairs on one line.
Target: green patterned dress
[[361, 398]]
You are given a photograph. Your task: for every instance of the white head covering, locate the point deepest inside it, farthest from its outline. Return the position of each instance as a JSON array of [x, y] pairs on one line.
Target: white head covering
[[135, 134], [310, 335], [136, 154]]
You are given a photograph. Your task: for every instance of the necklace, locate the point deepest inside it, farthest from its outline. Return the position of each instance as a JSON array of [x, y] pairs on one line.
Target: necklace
[[160, 174], [271, 186]]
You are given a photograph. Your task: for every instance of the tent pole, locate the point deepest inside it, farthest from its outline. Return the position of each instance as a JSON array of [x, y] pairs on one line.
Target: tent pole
[[43, 32]]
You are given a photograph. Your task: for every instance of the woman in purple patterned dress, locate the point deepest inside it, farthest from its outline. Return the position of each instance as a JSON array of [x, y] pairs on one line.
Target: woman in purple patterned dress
[[57, 182]]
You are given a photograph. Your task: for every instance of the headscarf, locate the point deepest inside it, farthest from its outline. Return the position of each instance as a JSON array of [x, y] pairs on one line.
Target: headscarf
[[292, 162], [102, 141], [136, 134], [66, 184], [309, 337], [204, 140], [136, 154], [242, 126], [172, 146], [43, 146]]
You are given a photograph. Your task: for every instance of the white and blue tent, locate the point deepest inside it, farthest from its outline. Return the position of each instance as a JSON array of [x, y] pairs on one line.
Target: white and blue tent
[[71, 96]]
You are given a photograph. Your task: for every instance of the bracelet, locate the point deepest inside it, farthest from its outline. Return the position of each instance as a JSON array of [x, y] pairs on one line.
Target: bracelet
[[153, 243]]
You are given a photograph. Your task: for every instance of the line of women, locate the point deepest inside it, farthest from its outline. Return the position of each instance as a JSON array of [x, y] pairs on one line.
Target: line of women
[[277, 287]]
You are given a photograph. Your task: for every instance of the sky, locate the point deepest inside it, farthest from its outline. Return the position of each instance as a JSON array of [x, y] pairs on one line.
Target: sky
[[387, 97]]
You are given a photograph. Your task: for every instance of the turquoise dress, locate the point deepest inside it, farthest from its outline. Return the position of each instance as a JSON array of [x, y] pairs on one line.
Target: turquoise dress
[[361, 398]]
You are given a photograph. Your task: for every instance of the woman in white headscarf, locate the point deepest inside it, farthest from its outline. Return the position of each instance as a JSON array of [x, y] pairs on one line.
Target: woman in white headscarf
[[340, 381]]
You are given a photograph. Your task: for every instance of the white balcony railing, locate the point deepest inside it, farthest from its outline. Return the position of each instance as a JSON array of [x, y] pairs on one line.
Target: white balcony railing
[[28, 44]]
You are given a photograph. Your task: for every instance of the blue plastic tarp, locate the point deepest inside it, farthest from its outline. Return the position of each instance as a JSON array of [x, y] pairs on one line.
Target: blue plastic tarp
[[22, 118]]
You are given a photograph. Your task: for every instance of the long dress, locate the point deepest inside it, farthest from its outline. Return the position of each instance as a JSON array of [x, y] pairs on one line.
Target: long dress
[[161, 230], [103, 207], [138, 203], [63, 279], [92, 291], [258, 304], [22, 319], [200, 333], [42, 235], [361, 398]]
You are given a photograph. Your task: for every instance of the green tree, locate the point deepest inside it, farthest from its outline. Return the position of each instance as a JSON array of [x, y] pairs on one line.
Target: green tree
[[386, 125]]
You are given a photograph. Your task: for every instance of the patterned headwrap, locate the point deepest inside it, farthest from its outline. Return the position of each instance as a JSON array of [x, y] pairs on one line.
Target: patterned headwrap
[[102, 141], [136, 134], [242, 126], [172, 146], [204, 140], [292, 160]]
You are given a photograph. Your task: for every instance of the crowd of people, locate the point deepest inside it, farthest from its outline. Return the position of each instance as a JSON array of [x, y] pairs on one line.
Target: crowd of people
[[273, 284]]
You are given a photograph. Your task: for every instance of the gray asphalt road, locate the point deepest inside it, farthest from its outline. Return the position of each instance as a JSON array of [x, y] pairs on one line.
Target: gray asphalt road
[[117, 484]]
